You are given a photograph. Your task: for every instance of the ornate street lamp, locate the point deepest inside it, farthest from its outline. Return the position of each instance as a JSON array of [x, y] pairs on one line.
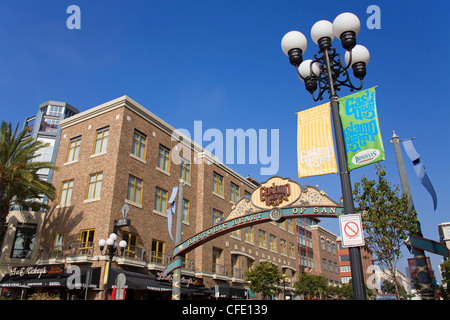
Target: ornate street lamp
[[111, 251], [328, 72]]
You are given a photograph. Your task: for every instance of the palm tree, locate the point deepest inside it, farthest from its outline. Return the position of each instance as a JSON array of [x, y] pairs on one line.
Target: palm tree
[[19, 181]]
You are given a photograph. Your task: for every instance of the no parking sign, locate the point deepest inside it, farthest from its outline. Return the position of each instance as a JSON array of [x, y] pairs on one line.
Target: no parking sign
[[351, 230]]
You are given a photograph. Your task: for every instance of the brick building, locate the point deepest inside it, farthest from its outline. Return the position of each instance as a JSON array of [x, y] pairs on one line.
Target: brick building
[[325, 254], [120, 153], [344, 263]]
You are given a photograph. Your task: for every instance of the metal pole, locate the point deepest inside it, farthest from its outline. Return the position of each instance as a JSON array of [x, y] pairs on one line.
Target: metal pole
[[359, 292], [423, 274], [176, 289]]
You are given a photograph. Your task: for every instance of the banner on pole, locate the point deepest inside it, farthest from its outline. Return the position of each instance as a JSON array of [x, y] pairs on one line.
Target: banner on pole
[[359, 118], [315, 148]]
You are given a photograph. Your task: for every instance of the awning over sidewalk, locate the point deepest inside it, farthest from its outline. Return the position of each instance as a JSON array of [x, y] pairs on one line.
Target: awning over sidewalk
[[230, 292], [142, 281]]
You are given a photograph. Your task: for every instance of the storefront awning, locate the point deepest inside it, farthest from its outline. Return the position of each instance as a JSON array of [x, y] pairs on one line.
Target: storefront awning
[[230, 292]]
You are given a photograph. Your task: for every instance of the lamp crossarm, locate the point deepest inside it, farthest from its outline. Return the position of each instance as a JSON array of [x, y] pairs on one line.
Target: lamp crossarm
[[340, 74]]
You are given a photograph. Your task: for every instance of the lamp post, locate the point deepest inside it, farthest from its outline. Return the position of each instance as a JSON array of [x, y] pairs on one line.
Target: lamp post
[[327, 72], [111, 251]]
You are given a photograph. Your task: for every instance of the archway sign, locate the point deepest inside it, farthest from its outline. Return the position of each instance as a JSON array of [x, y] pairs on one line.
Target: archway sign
[[275, 200]]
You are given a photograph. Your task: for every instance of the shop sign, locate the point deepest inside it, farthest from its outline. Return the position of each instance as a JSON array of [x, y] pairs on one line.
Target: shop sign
[[276, 192], [38, 270], [186, 281]]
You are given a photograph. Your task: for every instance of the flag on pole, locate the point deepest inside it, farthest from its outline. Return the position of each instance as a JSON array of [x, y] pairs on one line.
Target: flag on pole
[[171, 210], [419, 168], [315, 148], [359, 118]]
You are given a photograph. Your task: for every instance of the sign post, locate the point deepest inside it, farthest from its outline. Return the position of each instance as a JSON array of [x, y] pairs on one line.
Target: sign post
[[351, 230]]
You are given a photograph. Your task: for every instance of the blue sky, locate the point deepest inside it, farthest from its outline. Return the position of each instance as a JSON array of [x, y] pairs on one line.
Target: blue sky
[[220, 62]]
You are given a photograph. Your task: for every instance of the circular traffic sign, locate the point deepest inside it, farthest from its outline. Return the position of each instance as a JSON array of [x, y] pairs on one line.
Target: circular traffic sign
[[351, 229]]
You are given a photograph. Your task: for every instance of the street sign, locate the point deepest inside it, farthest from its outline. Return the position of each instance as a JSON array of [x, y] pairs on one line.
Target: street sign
[[429, 245], [351, 230]]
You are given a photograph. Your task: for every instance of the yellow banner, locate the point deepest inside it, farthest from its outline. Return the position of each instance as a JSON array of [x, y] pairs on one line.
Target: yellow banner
[[315, 148]]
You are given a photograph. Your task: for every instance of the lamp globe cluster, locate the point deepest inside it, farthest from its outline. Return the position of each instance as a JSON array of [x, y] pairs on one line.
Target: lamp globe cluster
[[345, 27]]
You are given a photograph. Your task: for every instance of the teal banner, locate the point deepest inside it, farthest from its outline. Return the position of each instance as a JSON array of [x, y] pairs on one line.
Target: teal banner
[[359, 118]]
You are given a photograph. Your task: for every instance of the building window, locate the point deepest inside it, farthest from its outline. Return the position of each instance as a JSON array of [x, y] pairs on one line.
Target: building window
[[301, 233], [160, 200], [157, 254], [328, 246], [333, 245], [249, 234], [132, 241], [335, 267], [163, 158], [54, 111], [291, 250], [322, 243], [345, 279], [273, 243], [139, 144], [303, 260], [311, 260], [234, 193], [324, 264], [330, 266], [185, 210], [95, 185], [217, 216], [74, 149], [66, 192], [236, 234], [134, 191], [290, 225], [308, 240], [185, 171], [283, 246], [217, 184], [24, 241], [262, 239], [346, 269], [101, 140], [86, 241], [56, 246]]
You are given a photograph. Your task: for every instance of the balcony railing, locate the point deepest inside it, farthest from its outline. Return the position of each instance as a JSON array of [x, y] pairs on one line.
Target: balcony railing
[[158, 258], [238, 273], [81, 249], [134, 252], [219, 269]]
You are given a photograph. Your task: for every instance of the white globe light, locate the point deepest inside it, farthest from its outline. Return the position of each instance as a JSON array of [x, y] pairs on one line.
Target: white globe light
[[109, 242], [359, 54], [346, 21], [113, 236], [293, 40], [305, 68], [102, 242], [320, 29], [122, 244]]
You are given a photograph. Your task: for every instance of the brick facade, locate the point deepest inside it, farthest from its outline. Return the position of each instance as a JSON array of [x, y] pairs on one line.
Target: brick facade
[[116, 164]]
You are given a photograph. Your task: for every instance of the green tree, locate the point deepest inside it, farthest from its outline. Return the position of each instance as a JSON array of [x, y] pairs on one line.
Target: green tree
[[445, 288], [386, 222], [311, 285], [264, 278], [19, 181]]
